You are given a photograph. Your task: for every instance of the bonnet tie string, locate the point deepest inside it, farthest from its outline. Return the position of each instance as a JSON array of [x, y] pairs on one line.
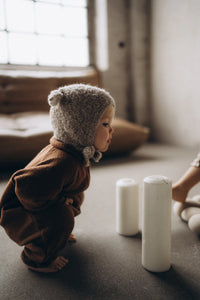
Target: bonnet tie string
[[91, 153]]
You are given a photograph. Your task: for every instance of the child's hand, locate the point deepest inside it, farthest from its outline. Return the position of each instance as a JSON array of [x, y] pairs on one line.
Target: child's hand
[[179, 193], [69, 201]]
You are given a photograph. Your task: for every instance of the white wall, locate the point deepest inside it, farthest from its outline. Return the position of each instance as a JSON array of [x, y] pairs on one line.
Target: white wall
[[175, 72]]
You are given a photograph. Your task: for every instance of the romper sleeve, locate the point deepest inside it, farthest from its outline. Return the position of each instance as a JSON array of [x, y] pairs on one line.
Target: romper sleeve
[[196, 161], [39, 187], [77, 202]]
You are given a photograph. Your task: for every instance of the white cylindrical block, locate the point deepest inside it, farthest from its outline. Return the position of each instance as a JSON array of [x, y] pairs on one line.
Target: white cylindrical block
[[156, 223], [127, 206]]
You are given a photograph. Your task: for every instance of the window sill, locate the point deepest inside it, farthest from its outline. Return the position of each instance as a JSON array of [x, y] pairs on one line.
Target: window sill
[[36, 71]]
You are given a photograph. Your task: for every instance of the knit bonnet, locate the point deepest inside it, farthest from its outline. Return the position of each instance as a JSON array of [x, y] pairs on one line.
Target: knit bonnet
[[75, 111]]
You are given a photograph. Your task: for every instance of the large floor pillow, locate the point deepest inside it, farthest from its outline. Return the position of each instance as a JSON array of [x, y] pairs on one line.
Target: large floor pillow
[[127, 136], [23, 135]]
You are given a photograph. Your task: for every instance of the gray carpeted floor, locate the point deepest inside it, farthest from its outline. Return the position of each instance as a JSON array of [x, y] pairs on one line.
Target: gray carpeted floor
[[103, 264]]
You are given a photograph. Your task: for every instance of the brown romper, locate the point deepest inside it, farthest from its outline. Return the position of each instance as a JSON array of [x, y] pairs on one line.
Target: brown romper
[[33, 211]]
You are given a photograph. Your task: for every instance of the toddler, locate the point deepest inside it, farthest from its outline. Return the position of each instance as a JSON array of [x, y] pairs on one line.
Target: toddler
[[38, 206]]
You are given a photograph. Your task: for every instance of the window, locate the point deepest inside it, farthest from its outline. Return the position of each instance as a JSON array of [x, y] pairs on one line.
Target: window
[[44, 32]]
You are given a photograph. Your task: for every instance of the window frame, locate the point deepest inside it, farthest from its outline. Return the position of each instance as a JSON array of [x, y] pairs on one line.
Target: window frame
[[91, 50]]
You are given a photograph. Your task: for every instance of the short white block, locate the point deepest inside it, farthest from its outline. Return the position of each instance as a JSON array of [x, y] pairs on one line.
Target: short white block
[[127, 206]]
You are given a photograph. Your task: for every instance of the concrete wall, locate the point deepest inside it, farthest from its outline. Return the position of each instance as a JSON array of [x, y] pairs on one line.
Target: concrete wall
[[116, 78], [175, 72], [140, 59], [154, 66], [127, 77]]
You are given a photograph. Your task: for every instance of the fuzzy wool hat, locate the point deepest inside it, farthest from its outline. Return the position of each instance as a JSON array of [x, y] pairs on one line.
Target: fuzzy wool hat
[[75, 112]]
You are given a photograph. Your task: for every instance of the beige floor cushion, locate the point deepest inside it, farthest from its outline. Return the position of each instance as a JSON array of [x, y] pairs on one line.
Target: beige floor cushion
[[127, 136], [23, 135]]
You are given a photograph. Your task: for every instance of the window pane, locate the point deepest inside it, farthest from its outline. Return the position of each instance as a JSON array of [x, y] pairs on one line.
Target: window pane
[[81, 3], [76, 52], [49, 50], [22, 48], [20, 15], [75, 22], [2, 15], [3, 48], [48, 18], [52, 1]]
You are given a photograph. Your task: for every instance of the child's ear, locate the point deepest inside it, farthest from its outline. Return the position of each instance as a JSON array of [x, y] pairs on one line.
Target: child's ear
[[54, 97]]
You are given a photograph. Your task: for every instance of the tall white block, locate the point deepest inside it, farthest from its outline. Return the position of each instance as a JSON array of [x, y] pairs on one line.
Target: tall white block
[[156, 223]]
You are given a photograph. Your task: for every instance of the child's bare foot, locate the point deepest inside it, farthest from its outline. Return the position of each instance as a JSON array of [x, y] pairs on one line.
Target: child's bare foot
[[56, 265], [189, 207], [72, 238]]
